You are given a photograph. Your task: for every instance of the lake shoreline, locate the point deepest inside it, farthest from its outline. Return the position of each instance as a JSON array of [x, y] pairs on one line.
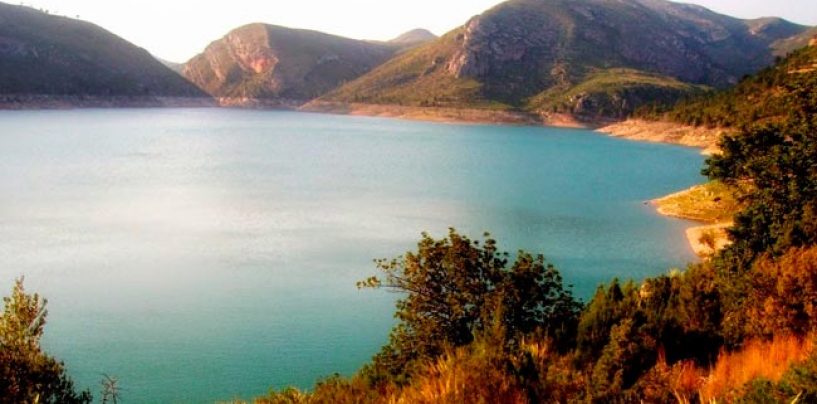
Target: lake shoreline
[[33, 102], [710, 235], [631, 129]]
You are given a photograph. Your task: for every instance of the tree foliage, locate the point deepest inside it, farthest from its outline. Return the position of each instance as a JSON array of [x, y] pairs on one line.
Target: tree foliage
[[455, 288], [27, 374]]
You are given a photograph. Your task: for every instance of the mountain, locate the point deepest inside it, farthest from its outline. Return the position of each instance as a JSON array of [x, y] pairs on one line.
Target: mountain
[[788, 45], [176, 67], [279, 66], [588, 58], [414, 37], [762, 97], [45, 58]]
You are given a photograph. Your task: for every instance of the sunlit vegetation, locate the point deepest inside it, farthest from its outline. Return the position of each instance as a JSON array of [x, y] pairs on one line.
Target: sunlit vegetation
[[613, 93], [713, 202], [27, 374]]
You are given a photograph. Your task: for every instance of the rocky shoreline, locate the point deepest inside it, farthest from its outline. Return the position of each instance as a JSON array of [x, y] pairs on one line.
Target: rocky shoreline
[[431, 114], [711, 206], [667, 132]]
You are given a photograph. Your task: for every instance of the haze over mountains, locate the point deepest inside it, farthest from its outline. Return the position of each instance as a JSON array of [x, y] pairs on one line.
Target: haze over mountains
[[587, 59]]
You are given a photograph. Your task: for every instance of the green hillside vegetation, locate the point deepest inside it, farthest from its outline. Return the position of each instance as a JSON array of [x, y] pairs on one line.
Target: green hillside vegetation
[[758, 98], [589, 58], [417, 77], [42, 54], [612, 93]]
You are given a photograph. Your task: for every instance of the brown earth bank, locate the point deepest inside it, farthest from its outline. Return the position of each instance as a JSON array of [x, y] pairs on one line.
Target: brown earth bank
[[433, 114], [36, 101], [667, 132], [256, 103]]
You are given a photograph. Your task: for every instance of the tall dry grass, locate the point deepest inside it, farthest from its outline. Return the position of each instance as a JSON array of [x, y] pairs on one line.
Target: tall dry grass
[[462, 376], [757, 360]]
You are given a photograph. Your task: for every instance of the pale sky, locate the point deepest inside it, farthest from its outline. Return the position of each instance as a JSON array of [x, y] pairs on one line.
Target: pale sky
[[178, 29]]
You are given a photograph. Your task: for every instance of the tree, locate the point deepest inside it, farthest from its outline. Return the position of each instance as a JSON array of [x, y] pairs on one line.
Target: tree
[[27, 374], [778, 162], [456, 288]]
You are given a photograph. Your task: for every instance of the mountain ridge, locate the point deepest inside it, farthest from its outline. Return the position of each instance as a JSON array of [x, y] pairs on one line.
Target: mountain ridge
[[525, 55], [280, 66], [53, 59]]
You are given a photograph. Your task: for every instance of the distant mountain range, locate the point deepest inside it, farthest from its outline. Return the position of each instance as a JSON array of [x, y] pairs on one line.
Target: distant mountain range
[[43, 57], [590, 60], [587, 58]]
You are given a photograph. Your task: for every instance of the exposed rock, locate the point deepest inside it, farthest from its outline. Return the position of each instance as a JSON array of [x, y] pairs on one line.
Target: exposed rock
[[260, 65], [527, 54]]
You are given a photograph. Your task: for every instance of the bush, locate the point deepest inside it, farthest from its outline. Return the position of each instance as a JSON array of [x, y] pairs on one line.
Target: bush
[[456, 288], [27, 374]]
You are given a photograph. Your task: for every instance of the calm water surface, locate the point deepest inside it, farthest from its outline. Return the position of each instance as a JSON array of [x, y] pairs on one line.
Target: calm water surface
[[203, 255]]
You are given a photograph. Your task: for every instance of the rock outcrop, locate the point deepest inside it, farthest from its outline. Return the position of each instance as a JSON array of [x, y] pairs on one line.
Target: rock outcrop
[[268, 65]]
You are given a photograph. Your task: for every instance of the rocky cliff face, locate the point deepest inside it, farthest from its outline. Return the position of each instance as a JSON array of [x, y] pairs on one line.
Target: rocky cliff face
[[273, 64]]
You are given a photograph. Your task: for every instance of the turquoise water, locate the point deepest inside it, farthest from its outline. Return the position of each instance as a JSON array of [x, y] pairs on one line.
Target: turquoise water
[[203, 255]]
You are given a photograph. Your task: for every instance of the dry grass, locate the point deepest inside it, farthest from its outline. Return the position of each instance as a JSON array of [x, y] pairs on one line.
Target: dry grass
[[461, 377], [757, 360], [713, 202]]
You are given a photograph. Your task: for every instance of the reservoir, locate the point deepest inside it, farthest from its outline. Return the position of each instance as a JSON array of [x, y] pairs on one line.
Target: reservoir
[[208, 254]]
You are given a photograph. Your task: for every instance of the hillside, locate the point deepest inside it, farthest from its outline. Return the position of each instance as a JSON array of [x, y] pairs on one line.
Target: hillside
[[45, 57], [274, 65], [757, 98], [414, 37], [588, 58]]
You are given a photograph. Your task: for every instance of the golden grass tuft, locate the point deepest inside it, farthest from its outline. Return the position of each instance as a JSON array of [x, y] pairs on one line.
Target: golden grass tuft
[[757, 360], [461, 377]]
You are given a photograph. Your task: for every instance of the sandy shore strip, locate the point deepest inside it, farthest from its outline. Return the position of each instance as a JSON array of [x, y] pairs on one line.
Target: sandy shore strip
[[707, 240], [667, 132], [712, 205]]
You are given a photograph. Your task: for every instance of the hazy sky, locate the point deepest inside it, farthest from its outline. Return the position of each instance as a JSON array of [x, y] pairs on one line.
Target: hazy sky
[[178, 29]]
